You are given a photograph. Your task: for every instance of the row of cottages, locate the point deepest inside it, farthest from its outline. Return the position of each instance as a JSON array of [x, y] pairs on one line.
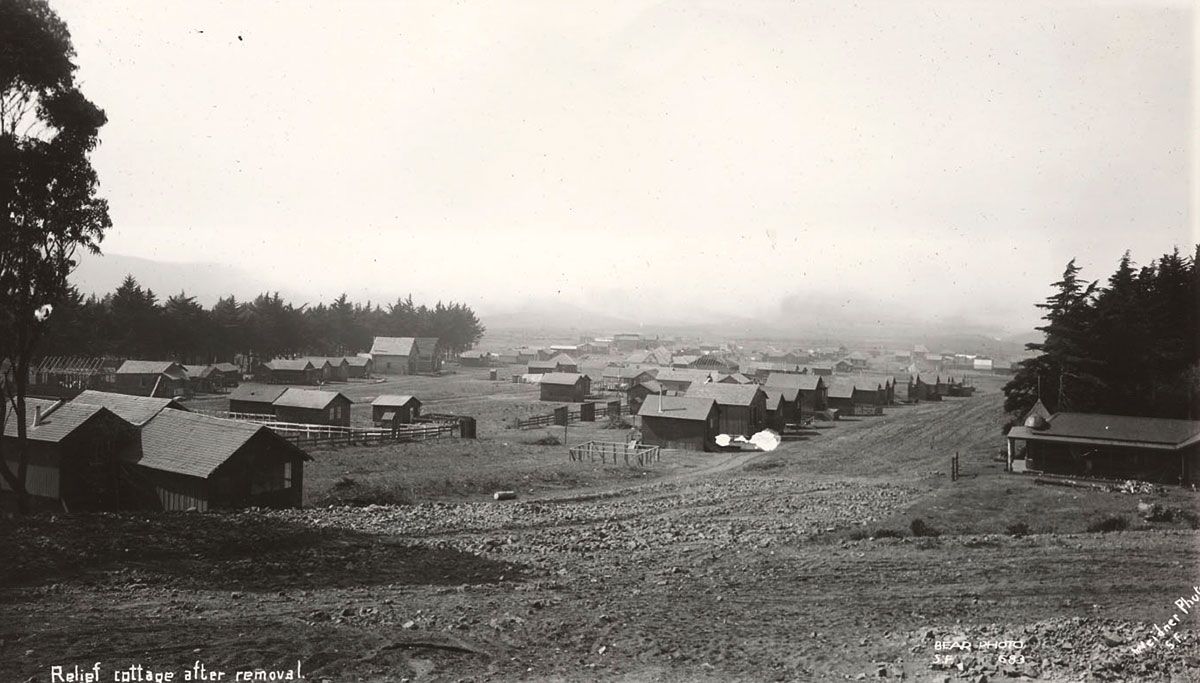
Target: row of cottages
[[812, 392], [289, 404], [109, 451], [620, 378], [683, 422], [390, 410], [565, 387], [1107, 446], [741, 408], [406, 355], [341, 368], [288, 371], [793, 357]]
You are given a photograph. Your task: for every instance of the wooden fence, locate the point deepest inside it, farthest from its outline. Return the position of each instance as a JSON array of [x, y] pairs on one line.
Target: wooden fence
[[565, 415], [313, 434], [605, 450]]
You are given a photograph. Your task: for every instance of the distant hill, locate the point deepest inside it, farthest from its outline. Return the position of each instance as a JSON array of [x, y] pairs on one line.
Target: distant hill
[[206, 281]]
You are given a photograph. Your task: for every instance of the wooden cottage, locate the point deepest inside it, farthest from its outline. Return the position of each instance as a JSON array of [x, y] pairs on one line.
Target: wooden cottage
[[638, 393], [394, 355], [679, 422], [152, 378], [313, 406], [287, 371], [136, 410], [564, 363], [621, 379], [676, 381], [333, 368], [783, 407], [204, 379], [840, 395], [255, 399], [390, 410], [190, 461], [73, 457], [1109, 446], [429, 354], [541, 367], [843, 365], [741, 408], [359, 367], [565, 387], [230, 375], [812, 390], [475, 359]]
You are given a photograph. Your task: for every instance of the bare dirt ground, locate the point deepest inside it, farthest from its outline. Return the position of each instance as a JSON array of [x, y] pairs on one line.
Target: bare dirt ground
[[778, 566]]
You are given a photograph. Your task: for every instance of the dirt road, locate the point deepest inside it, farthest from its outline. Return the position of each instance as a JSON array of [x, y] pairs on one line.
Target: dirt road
[[742, 568]]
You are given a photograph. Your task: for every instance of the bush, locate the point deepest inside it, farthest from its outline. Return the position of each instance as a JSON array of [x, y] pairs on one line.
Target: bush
[[920, 528], [1190, 517], [1110, 523], [888, 533], [1018, 529], [548, 440], [347, 491], [617, 422]]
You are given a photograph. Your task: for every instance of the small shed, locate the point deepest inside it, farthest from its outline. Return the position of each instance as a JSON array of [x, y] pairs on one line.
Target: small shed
[[683, 422], [391, 409], [565, 387], [313, 406], [152, 378]]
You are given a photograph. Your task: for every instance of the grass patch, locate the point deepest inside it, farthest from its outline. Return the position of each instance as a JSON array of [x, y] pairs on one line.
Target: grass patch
[[1109, 523], [1017, 529], [920, 529], [348, 491]]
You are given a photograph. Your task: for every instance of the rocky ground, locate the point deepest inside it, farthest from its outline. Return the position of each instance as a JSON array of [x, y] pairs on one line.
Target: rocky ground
[[745, 571]]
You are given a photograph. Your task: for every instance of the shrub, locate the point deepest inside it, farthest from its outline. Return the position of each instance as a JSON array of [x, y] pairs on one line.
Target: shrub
[[1018, 529], [859, 535], [920, 528], [548, 440], [1190, 517], [1110, 523], [617, 422], [888, 533]]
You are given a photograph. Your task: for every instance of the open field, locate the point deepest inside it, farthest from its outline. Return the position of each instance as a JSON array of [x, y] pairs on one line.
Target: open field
[[723, 566]]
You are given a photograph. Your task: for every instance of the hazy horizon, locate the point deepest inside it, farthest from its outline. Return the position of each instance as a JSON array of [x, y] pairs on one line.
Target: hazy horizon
[[939, 160]]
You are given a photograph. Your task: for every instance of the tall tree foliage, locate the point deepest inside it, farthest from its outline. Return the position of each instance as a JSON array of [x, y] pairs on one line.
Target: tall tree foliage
[[1131, 347], [131, 322], [48, 204]]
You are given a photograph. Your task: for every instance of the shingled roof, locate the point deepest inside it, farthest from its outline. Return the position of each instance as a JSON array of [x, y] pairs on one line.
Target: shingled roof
[[677, 407], [296, 364], [568, 379], [59, 420], [307, 398], [133, 409], [393, 346], [257, 393], [726, 394], [196, 445], [1143, 432], [153, 367], [394, 401]]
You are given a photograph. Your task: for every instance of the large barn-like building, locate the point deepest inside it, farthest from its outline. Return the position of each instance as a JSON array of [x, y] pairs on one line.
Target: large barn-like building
[[1108, 446], [741, 408], [565, 387]]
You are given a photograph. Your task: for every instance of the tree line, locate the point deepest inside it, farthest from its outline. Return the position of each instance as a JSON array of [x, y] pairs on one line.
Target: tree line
[[132, 322], [1128, 347]]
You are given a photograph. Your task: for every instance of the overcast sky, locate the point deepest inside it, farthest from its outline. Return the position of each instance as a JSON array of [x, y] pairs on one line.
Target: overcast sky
[[944, 156]]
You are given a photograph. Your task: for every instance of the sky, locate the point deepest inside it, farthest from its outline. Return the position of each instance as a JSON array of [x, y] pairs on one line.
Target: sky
[[935, 159]]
